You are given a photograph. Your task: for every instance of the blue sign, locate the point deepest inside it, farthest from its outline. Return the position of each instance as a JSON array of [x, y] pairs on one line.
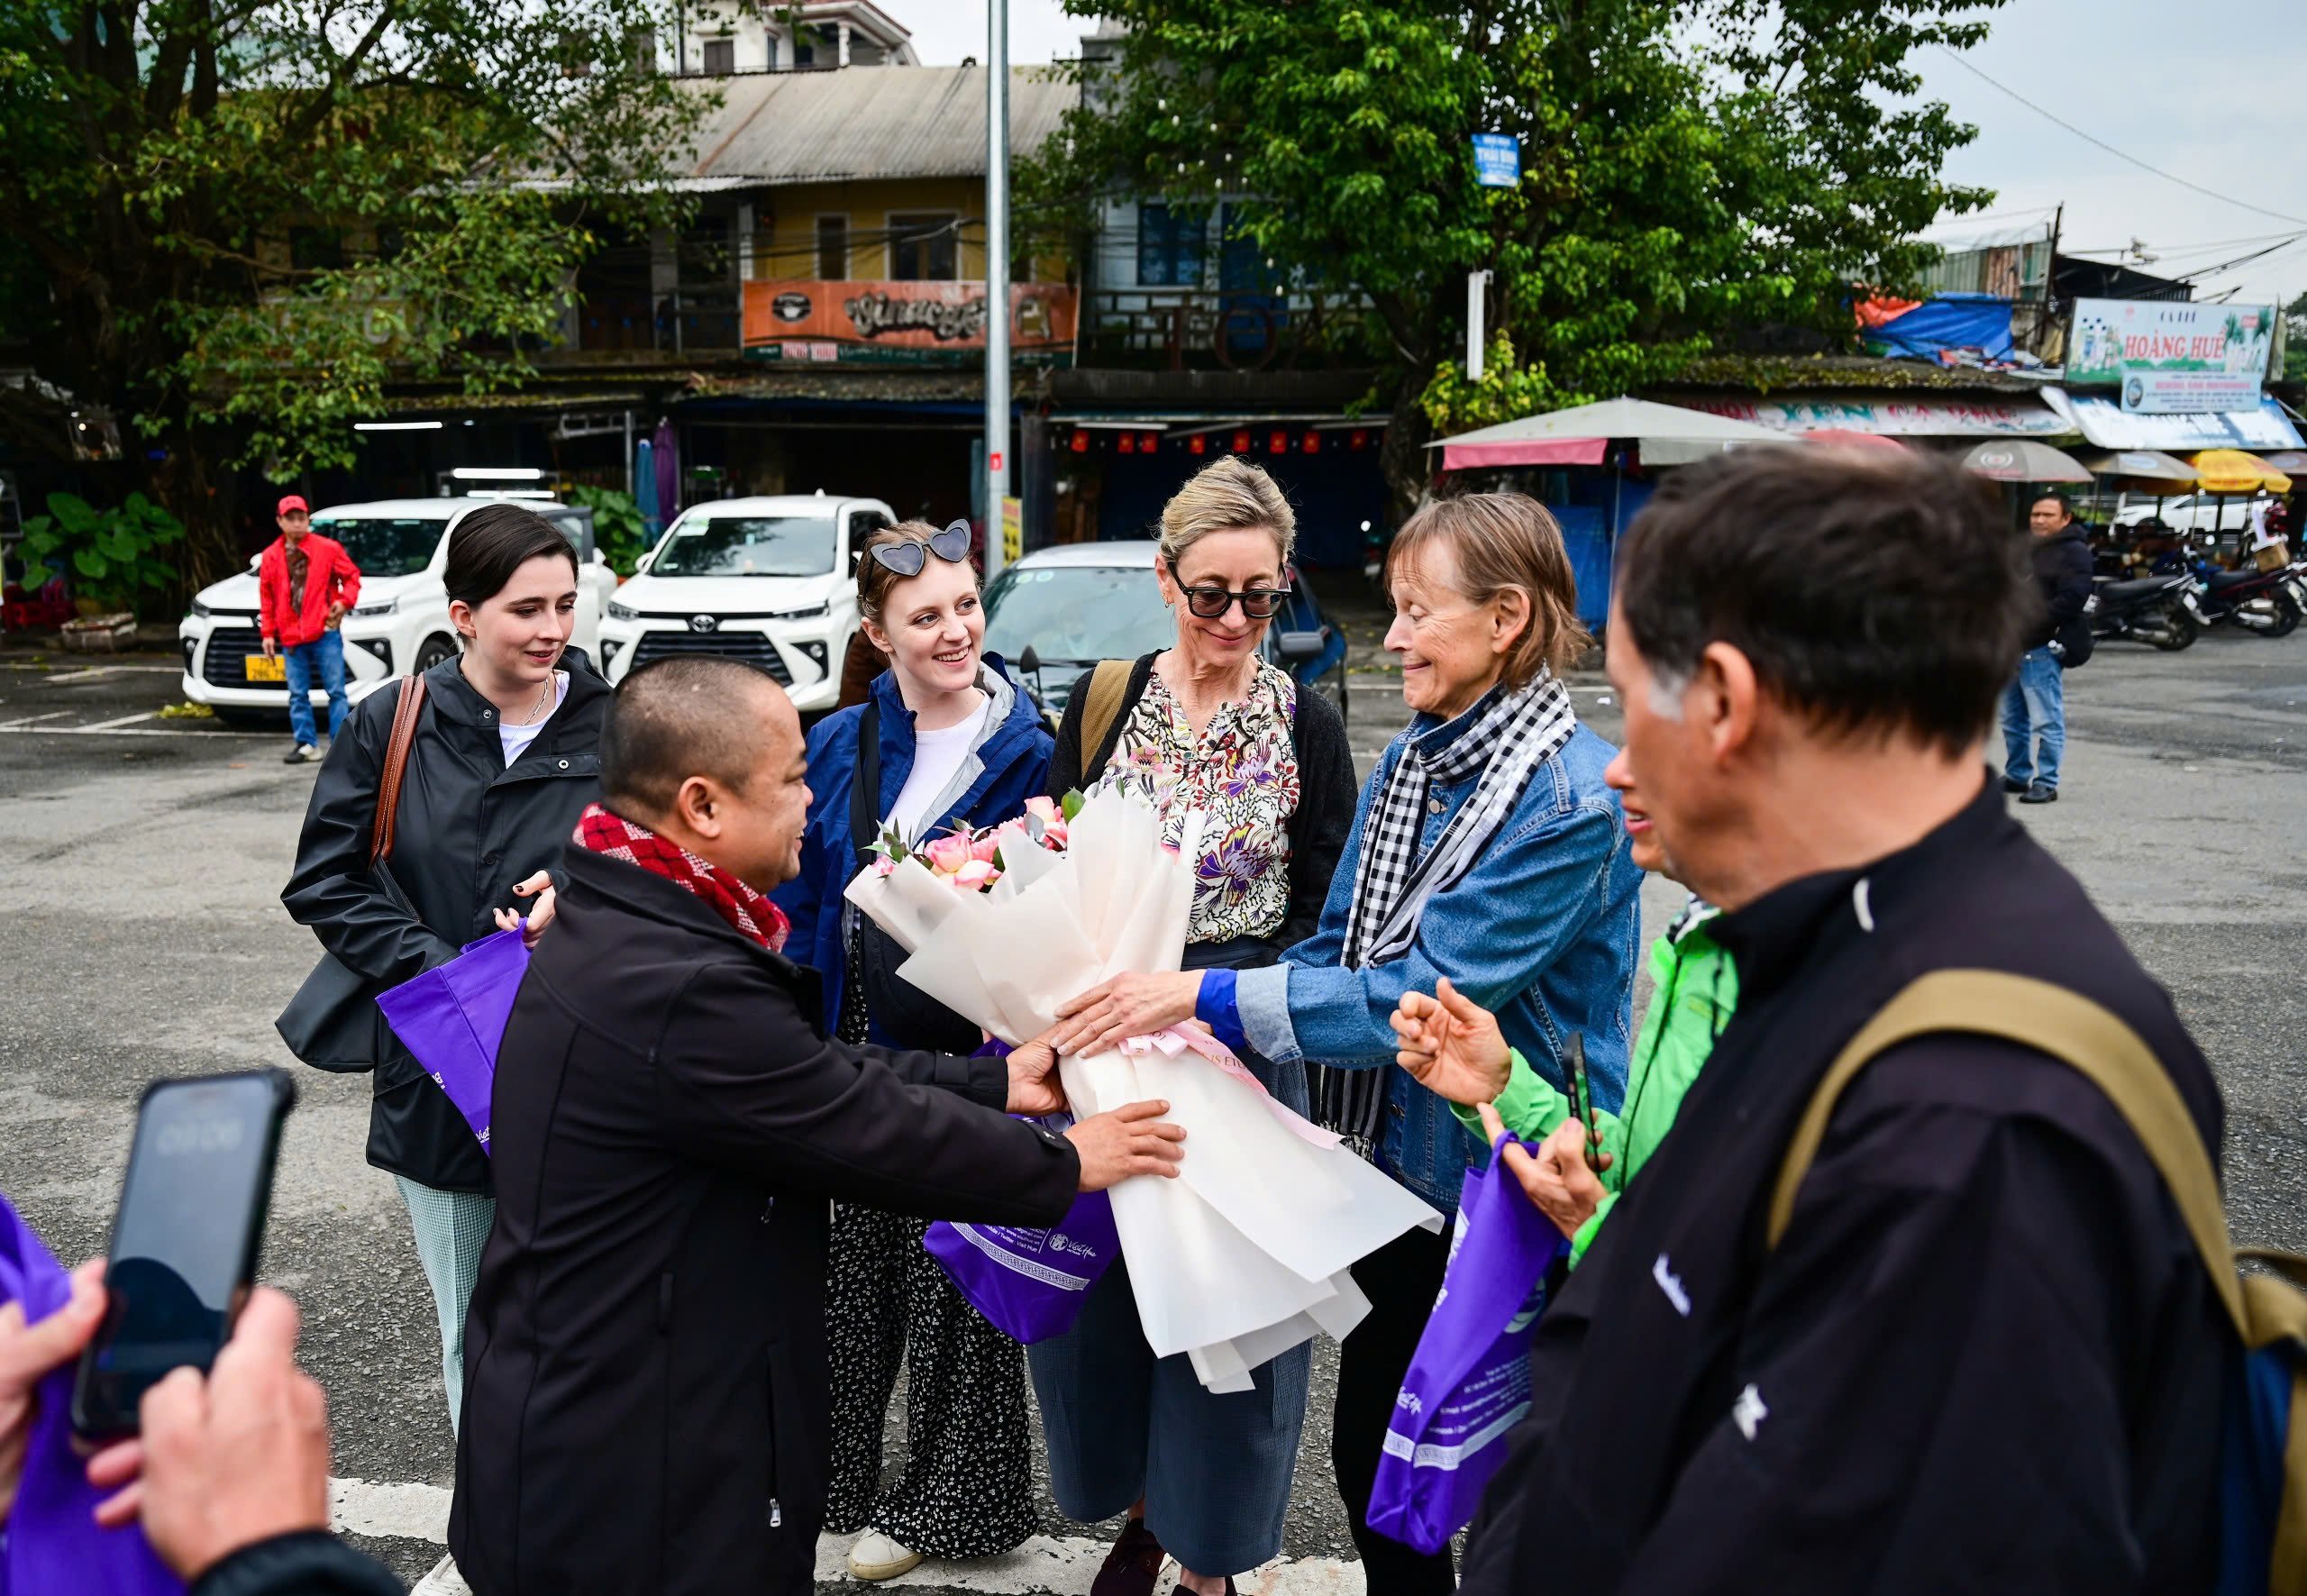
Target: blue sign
[[1498, 160]]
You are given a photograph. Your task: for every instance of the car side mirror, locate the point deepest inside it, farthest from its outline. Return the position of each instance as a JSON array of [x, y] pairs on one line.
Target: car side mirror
[[641, 566], [1298, 647], [1029, 661]]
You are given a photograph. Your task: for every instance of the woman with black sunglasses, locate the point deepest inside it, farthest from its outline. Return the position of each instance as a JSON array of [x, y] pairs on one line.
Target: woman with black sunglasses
[[1203, 1478], [943, 738]]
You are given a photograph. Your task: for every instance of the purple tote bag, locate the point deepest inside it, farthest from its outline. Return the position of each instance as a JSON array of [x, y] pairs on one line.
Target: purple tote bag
[[53, 1546], [1469, 1382], [452, 1018]]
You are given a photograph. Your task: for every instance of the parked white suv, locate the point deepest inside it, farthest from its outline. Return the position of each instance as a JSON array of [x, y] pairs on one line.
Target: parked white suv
[[766, 580], [401, 625]]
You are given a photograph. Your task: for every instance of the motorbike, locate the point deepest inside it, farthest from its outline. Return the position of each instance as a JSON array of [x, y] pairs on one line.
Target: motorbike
[[2161, 611], [2270, 603]]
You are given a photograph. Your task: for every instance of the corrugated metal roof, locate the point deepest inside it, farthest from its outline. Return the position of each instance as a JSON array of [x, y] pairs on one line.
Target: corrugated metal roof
[[861, 124]]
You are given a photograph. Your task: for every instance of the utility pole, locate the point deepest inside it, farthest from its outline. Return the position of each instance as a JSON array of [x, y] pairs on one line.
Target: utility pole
[[1476, 281], [996, 279]]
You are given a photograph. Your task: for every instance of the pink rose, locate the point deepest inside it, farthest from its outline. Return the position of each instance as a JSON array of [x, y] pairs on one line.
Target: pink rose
[[884, 865], [1044, 810], [983, 846], [1054, 836], [946, 854], [976, 876]]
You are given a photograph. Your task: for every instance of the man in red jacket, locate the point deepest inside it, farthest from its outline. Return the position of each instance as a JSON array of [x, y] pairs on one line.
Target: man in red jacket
[[305, 586]]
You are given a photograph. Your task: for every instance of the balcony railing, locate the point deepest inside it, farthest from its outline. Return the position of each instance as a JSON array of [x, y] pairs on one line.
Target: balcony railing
[[1240, 329]]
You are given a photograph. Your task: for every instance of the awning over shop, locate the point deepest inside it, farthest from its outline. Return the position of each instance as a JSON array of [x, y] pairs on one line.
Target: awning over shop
[[1919, 417], [1666, 434], [2109, 426]]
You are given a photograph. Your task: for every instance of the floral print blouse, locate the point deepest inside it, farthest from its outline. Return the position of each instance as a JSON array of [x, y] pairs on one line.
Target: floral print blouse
[[1243, 772]]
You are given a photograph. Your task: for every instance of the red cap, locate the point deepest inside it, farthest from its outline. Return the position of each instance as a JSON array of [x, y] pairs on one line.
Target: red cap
[[294, 501]]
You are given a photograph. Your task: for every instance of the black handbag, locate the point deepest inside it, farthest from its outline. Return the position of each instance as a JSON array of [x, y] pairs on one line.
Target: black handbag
[[901, 1009], [333, 1023]]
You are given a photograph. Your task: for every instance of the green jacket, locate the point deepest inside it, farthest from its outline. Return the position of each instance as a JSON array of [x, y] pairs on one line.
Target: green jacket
[[1696, 989]]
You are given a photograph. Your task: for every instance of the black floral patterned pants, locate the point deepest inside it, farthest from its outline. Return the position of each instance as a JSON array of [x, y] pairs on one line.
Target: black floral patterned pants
[[967, 1488]]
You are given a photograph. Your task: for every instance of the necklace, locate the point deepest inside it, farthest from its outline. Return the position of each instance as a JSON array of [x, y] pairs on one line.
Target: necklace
[[545, 700]]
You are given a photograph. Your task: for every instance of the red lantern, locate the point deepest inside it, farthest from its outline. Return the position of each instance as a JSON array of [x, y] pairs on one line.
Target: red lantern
[[1242, 441], [1129, 442], [1362, 437], [1150, 443], [1278, 443], [1197, 444], [1313, 444], [1081, 440]]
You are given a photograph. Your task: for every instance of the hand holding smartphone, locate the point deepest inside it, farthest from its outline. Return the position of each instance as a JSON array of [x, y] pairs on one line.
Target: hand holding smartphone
[[185, 1239], [1581, 1102]]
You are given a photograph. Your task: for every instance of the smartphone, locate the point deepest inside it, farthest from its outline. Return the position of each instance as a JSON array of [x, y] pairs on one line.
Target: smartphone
[[184, 1240], [1582, 1098]]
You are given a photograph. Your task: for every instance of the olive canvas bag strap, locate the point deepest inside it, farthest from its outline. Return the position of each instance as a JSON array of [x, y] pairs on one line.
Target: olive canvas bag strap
[[2268, 1310], [1108, 685]]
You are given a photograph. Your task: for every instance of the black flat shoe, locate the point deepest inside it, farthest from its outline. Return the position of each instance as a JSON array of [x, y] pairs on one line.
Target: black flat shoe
[[2040, 794], [1133, 1566], [2008, 785]]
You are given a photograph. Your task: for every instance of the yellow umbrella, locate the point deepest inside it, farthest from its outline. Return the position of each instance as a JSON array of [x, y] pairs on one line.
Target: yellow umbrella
[[2230, 470]]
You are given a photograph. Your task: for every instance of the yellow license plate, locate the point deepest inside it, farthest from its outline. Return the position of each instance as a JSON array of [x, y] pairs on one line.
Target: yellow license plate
[[261, 669]]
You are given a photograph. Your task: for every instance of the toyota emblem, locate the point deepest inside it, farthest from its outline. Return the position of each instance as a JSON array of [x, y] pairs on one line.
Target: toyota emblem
[[703, 623]]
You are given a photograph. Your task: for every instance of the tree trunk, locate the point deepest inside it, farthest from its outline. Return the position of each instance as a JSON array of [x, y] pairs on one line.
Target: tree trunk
[[1408, 465], [202, 495]]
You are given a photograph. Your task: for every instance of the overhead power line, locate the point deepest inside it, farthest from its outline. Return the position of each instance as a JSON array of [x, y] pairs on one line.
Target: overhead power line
[[2110, 148]]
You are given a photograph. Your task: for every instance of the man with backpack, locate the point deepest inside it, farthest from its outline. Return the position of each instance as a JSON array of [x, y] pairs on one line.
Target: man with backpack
[[1935, 1323], [2034, 706]]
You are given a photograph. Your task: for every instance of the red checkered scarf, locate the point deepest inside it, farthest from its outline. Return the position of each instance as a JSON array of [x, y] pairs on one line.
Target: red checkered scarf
[[752, 914]]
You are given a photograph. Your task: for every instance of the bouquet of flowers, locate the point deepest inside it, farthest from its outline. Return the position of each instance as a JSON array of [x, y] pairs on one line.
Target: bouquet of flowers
[[972, 859], [1246, 1253]]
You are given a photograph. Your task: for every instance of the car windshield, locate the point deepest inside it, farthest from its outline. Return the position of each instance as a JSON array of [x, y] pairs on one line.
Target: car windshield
[[749, 546], [1077, 612], [385, 545]]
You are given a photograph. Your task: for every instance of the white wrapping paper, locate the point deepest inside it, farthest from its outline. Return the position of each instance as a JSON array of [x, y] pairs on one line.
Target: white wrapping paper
[[1243, 1257]]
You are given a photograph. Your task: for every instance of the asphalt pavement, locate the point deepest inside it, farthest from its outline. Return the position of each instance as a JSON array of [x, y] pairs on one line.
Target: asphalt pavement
[[142, 935]]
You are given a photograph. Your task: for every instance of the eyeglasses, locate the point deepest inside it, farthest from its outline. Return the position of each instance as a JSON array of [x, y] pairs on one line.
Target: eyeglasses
[[1258, 604], [908, 559]]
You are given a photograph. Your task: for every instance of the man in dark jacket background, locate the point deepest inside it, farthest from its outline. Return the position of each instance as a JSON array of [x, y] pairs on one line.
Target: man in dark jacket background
[[646, 1401], [2034, 706], [1984, 1355]]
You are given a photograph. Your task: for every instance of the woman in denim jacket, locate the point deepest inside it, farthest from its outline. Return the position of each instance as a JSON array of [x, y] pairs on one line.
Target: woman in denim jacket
[[1487, 849]]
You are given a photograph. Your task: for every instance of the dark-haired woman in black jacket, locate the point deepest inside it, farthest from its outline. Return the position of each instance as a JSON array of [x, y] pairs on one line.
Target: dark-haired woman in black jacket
[[505, 757]]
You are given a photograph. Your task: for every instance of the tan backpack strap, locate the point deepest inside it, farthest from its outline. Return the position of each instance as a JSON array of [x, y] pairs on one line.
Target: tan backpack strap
[[1108, 684], [404, 713], [2069, 1027]]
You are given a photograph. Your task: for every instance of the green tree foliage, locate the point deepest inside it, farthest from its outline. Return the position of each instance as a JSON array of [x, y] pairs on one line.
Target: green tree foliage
[[2294, 340], [1690, 168], [230, 220], [619, 530]]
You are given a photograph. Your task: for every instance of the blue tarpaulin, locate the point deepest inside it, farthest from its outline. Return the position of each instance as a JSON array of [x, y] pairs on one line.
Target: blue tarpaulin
[[1978, 322], [1586, 537]]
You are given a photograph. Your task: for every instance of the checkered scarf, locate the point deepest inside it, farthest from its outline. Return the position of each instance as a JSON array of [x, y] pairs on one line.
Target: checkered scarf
[[750, 913], [1503, 739]]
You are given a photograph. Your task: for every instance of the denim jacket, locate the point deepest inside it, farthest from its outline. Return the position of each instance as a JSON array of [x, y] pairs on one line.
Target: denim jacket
[[1543, 931]]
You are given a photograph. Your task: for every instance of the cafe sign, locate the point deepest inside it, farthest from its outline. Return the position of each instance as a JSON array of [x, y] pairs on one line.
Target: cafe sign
[[2165, 358], [898, 322]]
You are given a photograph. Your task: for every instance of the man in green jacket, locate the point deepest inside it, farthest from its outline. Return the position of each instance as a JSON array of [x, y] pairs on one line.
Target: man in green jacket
[[1453, 1045]]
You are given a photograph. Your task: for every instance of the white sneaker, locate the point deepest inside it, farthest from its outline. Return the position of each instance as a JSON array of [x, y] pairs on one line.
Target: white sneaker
[[443, 1581], [876, 1557]]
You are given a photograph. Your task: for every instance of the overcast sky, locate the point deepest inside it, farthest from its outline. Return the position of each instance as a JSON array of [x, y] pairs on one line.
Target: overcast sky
[[2211, 91]]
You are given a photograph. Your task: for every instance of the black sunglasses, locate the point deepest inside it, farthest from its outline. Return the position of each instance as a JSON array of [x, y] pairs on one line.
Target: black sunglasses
[[1259, 604], [906, 558]]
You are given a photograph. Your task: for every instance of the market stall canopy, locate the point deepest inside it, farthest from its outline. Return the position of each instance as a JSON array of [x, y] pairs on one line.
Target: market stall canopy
[[2148, 465], [1891, 416], [2108, 425], [2291, 462], [1667, 434], [2023, 460], [1843, 437], [2230, 470]]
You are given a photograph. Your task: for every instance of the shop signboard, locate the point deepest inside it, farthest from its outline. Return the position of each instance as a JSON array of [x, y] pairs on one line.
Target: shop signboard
[[2165, 358], [899, 322], [1498, 160], [1891, 418]]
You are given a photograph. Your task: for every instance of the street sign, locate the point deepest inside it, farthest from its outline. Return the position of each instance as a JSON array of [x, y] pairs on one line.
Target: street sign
[[1013, 531], [1498, 160]]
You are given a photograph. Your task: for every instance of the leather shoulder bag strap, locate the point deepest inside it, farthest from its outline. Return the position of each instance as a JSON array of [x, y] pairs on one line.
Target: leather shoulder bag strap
[[1108, 685], [865, 786], [397, 750]]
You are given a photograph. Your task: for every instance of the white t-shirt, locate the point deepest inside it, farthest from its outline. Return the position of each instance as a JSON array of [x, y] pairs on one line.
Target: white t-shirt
[[518, 738], [937, 757]]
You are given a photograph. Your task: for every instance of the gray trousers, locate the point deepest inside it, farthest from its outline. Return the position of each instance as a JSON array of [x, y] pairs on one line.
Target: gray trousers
[[452, 1227]]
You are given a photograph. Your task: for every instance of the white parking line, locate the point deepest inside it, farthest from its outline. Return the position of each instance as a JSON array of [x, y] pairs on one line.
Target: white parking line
[[1062, 1566], [106, 725], [86, 672], [12, 725], [114, 729]]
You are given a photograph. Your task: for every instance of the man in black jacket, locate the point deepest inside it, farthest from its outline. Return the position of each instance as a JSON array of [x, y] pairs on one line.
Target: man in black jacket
[[646, 1392], [1984, 1356], [2034, 706]]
